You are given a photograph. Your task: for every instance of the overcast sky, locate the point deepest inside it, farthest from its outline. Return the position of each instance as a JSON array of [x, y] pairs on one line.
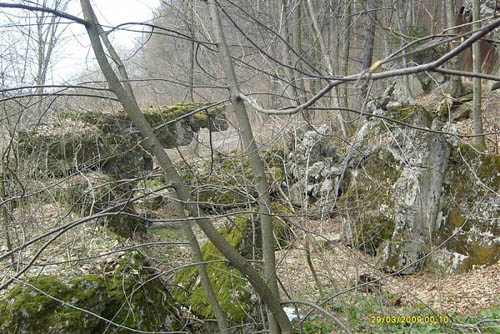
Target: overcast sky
[[77, 55]]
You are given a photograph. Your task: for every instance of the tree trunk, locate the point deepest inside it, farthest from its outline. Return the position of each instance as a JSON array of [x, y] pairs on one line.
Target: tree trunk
[[324, 55], [127, 99], [153, 145], [369, 39], [297, 45], [403, 18], [476, 64], [191, 27], [456, 88], [288, 36], [276, 321], [344, 69]]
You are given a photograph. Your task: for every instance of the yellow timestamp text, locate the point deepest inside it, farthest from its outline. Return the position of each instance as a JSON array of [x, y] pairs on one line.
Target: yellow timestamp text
[[410, 319]]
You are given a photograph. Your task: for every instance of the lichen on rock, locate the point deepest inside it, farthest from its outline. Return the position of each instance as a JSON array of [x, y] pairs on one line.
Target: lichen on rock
[[430, 193], [314, 168]]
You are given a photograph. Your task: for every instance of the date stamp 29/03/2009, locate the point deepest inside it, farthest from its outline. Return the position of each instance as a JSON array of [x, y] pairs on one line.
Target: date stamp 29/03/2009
[[410, 319]]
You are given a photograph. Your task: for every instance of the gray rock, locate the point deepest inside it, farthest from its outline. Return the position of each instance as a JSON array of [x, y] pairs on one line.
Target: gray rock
[[416, 86], [419, 191], [313, 164]]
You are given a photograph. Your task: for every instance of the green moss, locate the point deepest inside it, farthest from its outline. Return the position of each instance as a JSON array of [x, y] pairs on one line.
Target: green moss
[[483, 255], [370, 232], [464, 194], [462, 182], [232, 291], [372, 188], [456, 218], [160, 115], [96, 139], [411, 114], [119, 297]]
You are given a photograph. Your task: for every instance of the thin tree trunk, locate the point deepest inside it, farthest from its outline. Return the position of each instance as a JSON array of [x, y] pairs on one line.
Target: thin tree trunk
[[152, 143], [369, 42], [297, 45], [312, 269], [476, 64], [288, 36], [191, 51], [126, 97], [456, 88], [403, 27], [7, 210], [324, 54], [346, 33], [251, 150], [190, 24]]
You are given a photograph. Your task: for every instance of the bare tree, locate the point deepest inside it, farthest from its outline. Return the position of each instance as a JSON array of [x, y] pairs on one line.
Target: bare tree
[[172, 177], [369, 37], [125, 91], [277, 323], [455, 80], [477, 63]]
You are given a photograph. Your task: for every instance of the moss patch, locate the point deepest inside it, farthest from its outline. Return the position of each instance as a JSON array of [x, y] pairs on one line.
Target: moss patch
[[371, 232], [371, 188], [121, 297], [232, 291], [470, 204], [411, 114], [108, 141]]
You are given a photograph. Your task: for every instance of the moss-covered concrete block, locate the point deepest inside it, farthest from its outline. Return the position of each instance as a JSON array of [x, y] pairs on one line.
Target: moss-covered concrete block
[[371, 188]]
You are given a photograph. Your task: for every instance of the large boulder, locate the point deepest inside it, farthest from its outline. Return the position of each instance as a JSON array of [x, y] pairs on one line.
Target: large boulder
[[416, 194], [468, 224], [126, 296]]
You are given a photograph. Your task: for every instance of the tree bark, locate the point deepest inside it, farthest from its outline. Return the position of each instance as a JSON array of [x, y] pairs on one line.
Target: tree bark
[[280, 320], [369, 39], [297, 45], [344, 126], [344, 69], [476, 64], [126, 97], [456, 88], [153, 145]]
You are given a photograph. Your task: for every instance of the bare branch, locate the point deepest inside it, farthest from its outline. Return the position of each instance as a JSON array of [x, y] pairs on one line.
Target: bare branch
[[45, 10]]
